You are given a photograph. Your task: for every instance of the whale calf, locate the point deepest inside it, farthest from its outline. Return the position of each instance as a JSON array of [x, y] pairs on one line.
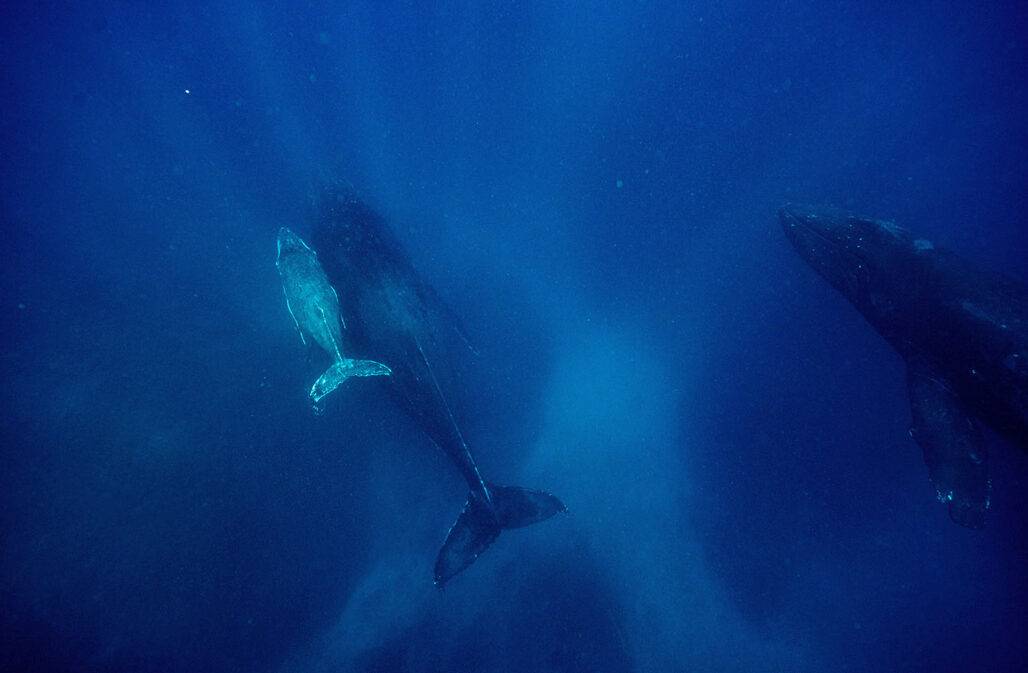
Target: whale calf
[[963, 332], [314, 306], [399, 319]]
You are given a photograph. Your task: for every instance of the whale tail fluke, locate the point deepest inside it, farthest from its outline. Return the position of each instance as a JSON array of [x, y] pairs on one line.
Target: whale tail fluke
[[342, 370], [479, 524]]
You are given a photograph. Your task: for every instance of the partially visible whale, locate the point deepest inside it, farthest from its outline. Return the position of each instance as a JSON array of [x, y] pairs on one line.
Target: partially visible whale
[[314, 306], [396, 317], [963, 332]]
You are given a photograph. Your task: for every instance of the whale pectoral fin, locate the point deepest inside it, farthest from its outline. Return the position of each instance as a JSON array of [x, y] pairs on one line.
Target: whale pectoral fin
[[335, 294], [444, 319], [464, 337], [329, 332], [954, 449], [299, 329]]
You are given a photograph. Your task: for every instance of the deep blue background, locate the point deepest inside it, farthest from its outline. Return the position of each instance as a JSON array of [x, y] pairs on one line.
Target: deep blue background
[[594, 191]]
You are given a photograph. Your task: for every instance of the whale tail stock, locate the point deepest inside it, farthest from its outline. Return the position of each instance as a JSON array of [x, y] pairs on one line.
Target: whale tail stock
[[479, 524], [342, 370]]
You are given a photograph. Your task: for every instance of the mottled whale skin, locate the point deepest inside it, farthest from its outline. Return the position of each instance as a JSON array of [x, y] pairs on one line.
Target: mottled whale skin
[[962, 330], [314, 305], [397, 318]]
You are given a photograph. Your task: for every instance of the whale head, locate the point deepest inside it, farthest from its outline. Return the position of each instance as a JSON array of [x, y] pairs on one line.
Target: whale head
[[869, 261], [289, 244]]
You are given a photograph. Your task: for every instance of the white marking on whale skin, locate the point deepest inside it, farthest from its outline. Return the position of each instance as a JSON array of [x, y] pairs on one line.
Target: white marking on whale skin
[[894, 229], [923, 245], [980, 313]]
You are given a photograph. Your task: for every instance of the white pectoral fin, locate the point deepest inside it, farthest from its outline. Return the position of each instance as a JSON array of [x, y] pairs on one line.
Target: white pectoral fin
[[299, 329], [464, 337], [331, 335], [954, 448], [335, 294]]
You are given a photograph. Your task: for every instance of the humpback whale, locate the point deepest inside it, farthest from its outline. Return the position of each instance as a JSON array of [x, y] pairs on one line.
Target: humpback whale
[[399, 319], [314, 306], [962, 331]]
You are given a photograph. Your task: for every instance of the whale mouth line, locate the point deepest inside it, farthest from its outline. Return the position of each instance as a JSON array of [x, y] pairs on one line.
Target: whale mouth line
[[837, 260], [804, 226]]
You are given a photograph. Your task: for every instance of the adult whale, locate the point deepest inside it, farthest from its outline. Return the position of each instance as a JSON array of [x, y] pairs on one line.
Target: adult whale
[[392, 315], [963, 332]]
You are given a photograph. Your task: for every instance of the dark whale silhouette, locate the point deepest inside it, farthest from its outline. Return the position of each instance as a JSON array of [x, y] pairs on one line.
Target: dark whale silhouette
[[963, 332], [395, 317]]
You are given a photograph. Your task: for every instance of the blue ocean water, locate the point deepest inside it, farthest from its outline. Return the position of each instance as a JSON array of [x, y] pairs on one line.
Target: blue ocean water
[[593, 190]]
